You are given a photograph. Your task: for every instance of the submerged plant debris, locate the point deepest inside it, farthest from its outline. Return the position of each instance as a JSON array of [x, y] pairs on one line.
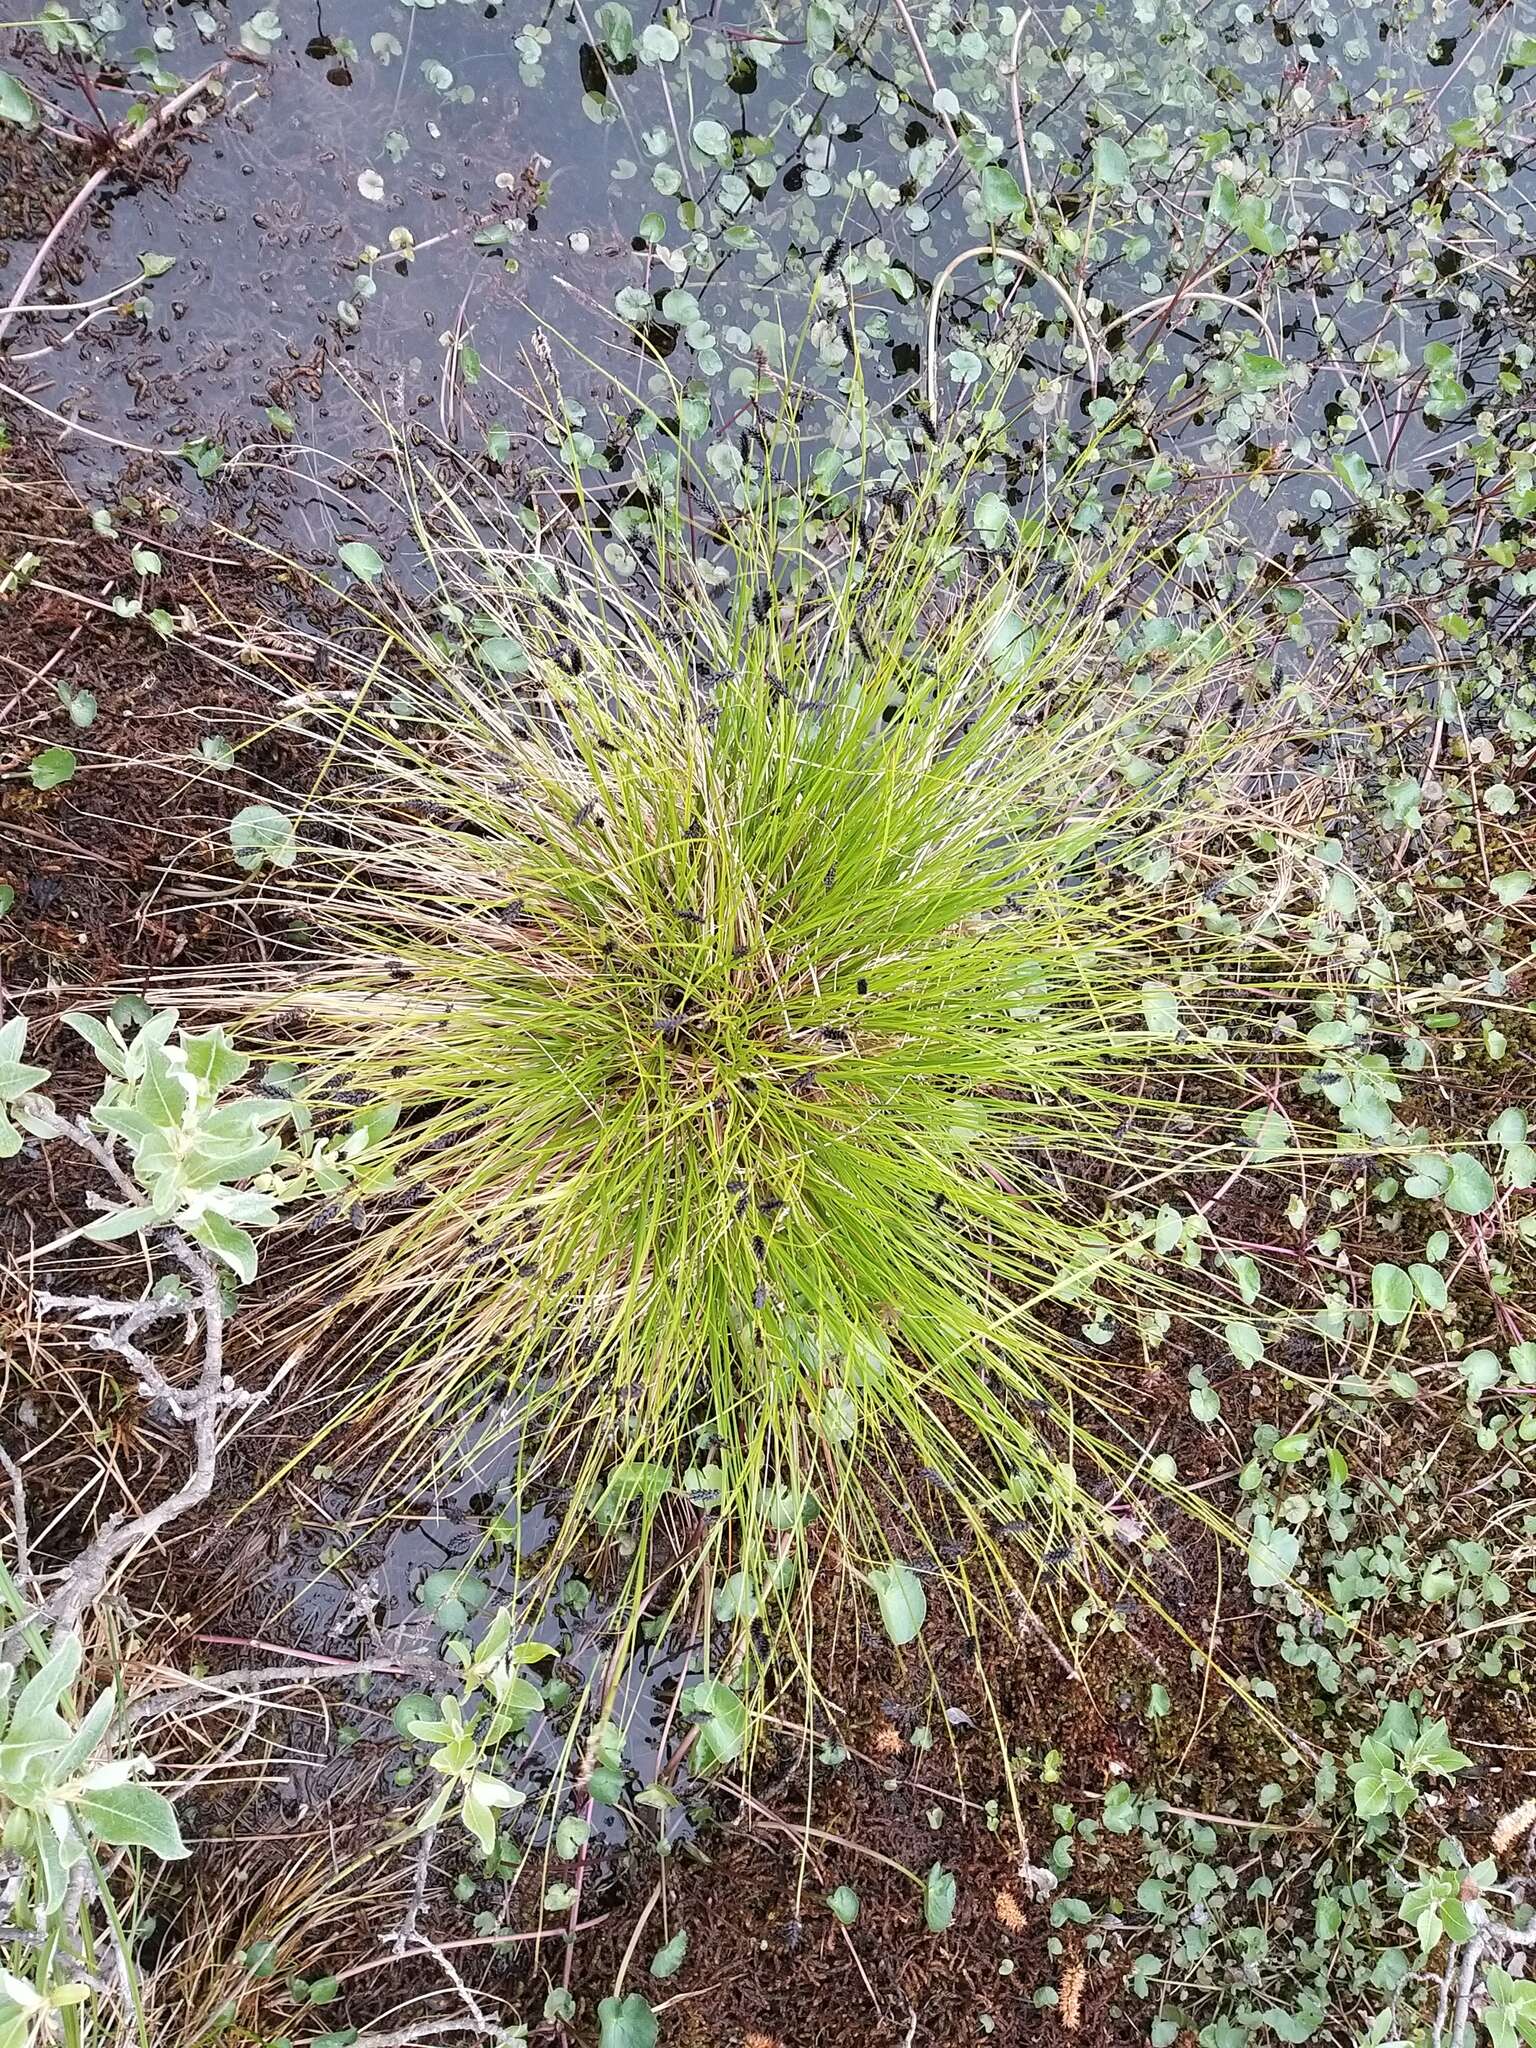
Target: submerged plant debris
[[343, 355]]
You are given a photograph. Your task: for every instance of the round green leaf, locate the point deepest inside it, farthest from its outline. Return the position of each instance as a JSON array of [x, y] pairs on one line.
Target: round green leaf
[[1470, 1190], [724, 1731], [939, 1899], [1430, 1285], [260, 833], [16, 103], [1000, 194], [712, 139], [1272, 1553], [626, 2024], [365, 562], [1160, 1008], [992, 519], [658, 44], [903, 1603], [845, 1904], [1111, 165], [53, 766], [415, 1706], [1392, 1293], [669, 1960]]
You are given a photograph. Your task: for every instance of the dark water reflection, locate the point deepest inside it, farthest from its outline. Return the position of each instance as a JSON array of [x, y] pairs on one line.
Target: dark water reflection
[[512, 210]]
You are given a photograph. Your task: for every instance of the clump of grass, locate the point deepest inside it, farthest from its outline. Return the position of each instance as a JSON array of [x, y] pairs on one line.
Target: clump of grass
[[754, 960]]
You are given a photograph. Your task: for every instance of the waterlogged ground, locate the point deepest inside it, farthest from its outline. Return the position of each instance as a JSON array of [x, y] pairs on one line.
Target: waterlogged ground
[[1272, 265], [1285, 244]]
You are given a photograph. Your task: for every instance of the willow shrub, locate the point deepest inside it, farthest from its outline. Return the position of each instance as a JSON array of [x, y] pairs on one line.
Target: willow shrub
[[757, 949]]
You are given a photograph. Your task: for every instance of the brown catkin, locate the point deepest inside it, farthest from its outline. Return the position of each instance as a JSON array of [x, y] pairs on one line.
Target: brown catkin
[[1517, 1822], [1009, 1911], [1073, 1979]]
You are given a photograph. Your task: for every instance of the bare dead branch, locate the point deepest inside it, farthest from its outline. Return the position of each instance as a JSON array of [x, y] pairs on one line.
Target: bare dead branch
[[226, 1688], [202, 1406]]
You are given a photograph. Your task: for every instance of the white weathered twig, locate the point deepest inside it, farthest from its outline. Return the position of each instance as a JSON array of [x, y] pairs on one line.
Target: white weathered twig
[[86, 1578], [1442, 2004], [425, 2030], [1488, 1938], [19, 1535], [406, 1931], [1021, 257], [1471, 1957], [472, 2004], [127, 1318], [202, 1406], [221, 1689]]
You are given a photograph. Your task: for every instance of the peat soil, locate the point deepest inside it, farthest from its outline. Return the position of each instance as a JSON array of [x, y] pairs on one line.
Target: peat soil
[[121, 870], [902, 1768]]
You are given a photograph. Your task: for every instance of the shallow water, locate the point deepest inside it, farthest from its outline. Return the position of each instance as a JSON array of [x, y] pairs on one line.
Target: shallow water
[[805, 196], [350, 1585]]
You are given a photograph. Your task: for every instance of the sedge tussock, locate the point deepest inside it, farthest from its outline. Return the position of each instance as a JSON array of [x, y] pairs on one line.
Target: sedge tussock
[[756, 971]]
